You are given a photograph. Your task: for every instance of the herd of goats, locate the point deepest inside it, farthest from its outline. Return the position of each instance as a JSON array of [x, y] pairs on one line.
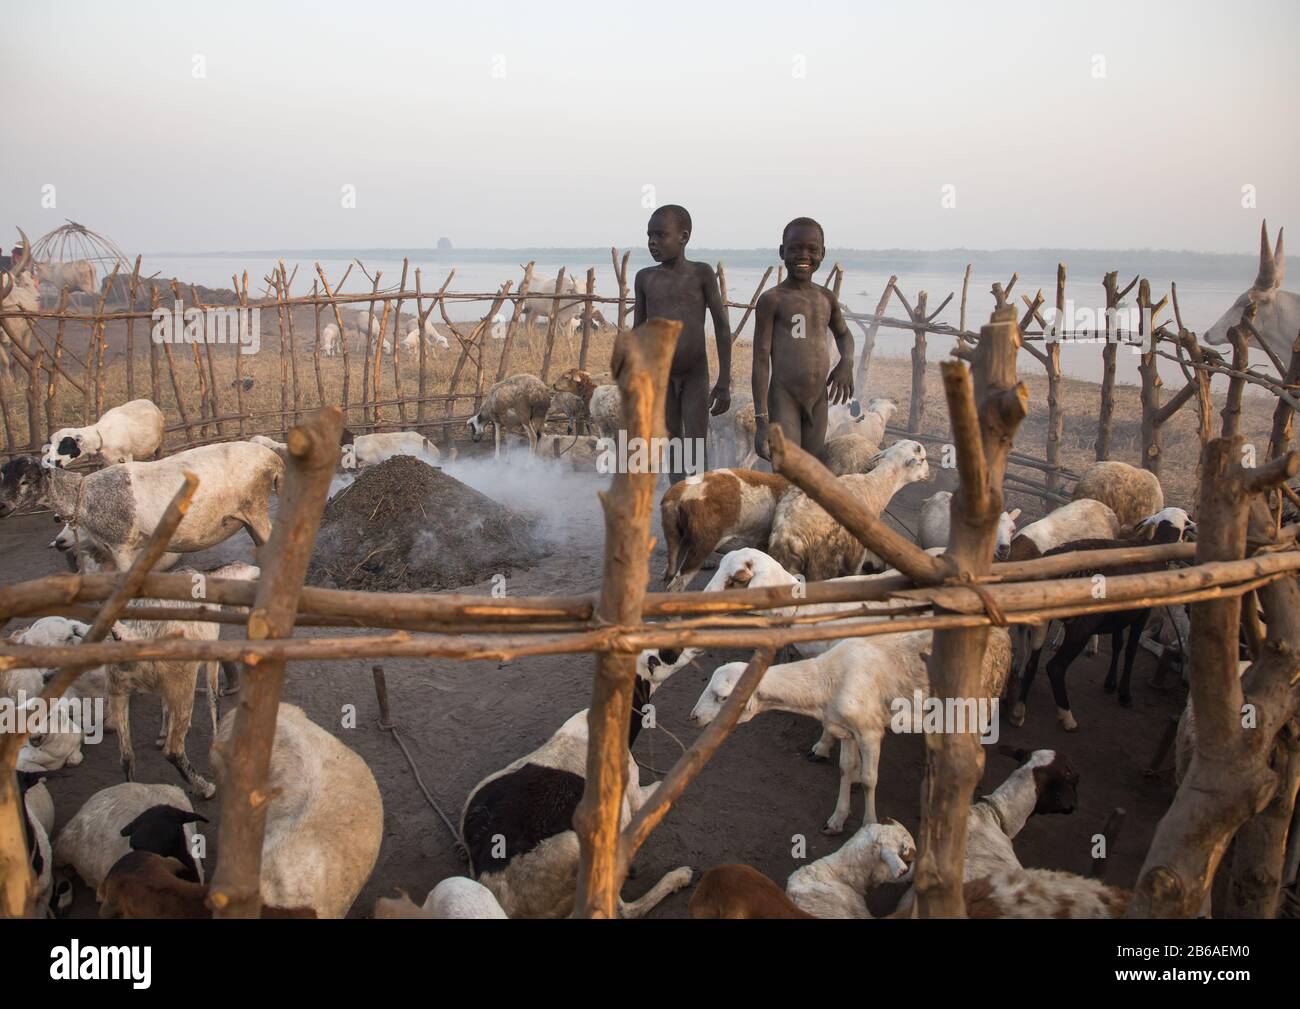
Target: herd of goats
[[132, 843]]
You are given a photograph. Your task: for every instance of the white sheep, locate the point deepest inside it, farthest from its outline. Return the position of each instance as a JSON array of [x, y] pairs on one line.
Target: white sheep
[[92, 840], [835, 886], [1042, 893], [1130, 492], [120, 506], [850, 453], [325, 820], [1084, 519], [935, 523], [807, 541], [84, 553], [454, 897], [520, 401], [37, 810], [851, 689], [372, 449], [606, 410], [518, 825], [125, 433], [329, 339], [851, 418]]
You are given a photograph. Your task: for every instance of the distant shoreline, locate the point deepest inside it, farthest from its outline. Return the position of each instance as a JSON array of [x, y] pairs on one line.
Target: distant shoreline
[[1080, 261]]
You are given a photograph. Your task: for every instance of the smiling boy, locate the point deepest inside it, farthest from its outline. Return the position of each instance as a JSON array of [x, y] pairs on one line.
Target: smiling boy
[[679, 289], [792, 373]]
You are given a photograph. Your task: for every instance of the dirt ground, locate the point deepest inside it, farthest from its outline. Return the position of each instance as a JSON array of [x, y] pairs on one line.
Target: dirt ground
[[465, 720]]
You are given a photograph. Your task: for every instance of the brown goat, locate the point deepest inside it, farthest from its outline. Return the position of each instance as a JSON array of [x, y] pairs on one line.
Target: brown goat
[[741, 891], [145, 885]]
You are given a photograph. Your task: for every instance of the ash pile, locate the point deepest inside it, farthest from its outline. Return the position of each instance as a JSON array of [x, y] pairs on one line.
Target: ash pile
[[406, 526]]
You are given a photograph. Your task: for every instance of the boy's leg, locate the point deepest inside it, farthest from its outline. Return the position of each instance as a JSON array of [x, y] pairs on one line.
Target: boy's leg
[[784, 412], [814, 426], [694, 406], [673, 416]]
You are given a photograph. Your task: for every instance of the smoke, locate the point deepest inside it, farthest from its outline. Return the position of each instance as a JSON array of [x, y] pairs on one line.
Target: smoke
[[561, 501]]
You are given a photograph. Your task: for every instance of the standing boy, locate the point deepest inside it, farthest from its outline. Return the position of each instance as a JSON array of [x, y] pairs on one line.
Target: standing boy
[[679, 289], [791, 358]]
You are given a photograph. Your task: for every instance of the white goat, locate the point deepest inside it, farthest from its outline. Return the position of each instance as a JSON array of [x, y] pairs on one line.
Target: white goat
[[454, 897], [1131, 493], [125, 433], [806, 540], [606, 410], [329, 339], [850, 418], [372, 449], [1084, 519], [852, 690], [935, 524], [835, 886], [324, 822]]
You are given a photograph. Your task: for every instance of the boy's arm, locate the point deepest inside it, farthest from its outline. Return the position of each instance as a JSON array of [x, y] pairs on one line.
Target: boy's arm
[[720, 398], [638, 285], [764, 317], [840, 381]]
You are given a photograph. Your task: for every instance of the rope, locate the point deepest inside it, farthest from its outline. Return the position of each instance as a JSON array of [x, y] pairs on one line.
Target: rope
[[994, 612]]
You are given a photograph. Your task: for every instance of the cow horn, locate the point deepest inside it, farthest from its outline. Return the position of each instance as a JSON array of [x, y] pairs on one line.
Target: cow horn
[[1279, 259], [26, 260], [1267, 278]]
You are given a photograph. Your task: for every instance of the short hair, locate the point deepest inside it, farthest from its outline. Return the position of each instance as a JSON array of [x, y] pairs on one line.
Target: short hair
[[803, 222], [679, 212]]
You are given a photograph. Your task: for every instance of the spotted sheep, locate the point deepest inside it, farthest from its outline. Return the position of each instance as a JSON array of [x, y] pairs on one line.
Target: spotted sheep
[[325, 821], [517, 823], [125, 433], [851, 689], [120, 506], [120, 818], [1044, 784], [1169, 525], [520, 401], [807, 541], [723, 509], [851, 418]]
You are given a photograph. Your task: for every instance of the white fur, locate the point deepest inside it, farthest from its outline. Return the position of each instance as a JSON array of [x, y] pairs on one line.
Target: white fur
[[835, 886], [124, 433]]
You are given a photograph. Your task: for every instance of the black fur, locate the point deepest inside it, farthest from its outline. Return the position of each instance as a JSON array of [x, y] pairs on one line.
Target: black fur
[[161, 829], [70, 448], [526, 806]]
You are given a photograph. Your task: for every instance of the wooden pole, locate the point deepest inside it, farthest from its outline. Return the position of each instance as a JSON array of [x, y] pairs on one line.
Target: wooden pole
[[869, 337], [983, 435], [620, 272], [586, 318], [130, 329], [246, 756], [640, 366], [155, 375], [551, 324], [1105, 418], [521, 296], [1055, 416]]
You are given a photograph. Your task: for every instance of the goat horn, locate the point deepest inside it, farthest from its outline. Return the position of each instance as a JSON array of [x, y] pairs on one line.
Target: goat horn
[[1267, 277]]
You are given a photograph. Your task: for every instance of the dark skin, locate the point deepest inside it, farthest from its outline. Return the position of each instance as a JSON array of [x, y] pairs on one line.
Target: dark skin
[[793, 380], [679, 289]]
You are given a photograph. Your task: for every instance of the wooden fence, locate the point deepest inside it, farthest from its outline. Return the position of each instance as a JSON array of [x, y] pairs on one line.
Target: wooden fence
[[1241, 782]]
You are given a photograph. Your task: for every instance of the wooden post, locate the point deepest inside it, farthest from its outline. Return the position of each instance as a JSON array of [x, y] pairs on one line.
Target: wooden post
[[1055, 416], [397, 345], [520, 297], [1152, 438], [155, 375], [983, 436], [58, 357], [246, 756], [1229, 778], [869, 337], [551, 324], [286, 281], [130, 330], [1279, 439], [315, 353], [343, 340], [620, 274], [214, 399], [587, 308], [640, 366], [241, 293], [1105, 419], [916, 407], [965, 287]]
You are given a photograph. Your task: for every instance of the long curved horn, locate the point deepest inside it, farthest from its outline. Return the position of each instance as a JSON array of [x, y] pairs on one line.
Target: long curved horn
[[26, 261], [1279, 259], [1267, 278]]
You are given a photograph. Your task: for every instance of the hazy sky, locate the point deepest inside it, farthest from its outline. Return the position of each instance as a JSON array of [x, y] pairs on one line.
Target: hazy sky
[[500, 124]]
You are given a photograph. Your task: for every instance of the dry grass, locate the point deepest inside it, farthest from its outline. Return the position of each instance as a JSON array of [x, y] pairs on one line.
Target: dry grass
[[888, 377]]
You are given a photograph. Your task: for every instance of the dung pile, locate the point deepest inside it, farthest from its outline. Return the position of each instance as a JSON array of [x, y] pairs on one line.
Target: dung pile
[[404, 525]]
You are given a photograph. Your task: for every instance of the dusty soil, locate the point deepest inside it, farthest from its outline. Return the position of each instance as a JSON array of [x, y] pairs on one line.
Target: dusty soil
[[404, 525], [465, 720]]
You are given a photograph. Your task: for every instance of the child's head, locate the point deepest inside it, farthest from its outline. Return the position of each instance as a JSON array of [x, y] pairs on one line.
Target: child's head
[[803, 246], [668, 232]]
